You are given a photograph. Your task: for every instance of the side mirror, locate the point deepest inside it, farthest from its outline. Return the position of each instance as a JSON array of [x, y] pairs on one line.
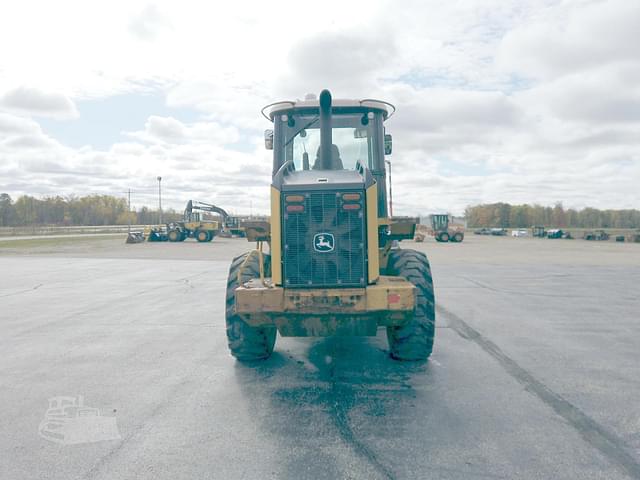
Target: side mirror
[[388, 143], [268, 139]]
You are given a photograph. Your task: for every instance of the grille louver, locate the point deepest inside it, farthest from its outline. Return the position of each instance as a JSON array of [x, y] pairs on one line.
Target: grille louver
[[323, 214]]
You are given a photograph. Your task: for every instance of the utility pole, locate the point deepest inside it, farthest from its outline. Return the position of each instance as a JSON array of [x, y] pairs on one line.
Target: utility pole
[[390, 190], [129, 209], [160, 198]]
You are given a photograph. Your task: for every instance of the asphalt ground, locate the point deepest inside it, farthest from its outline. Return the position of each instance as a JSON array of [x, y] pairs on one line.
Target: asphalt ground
[[535, 372]]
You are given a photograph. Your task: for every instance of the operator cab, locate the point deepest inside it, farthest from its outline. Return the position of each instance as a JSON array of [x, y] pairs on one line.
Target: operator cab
[[357, 143], [356, 128]]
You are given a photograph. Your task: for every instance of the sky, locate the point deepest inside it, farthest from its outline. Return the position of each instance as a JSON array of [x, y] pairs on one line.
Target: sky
[[497, 100]]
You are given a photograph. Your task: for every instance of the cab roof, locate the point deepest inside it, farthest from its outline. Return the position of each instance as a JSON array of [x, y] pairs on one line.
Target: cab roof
[[272, 109]]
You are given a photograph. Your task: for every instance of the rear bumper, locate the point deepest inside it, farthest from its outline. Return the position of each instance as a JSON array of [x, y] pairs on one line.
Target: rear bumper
[[333, 311]]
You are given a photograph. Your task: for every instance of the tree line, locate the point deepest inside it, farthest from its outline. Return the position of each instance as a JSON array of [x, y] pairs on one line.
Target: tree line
[[521, 216], [110, 210], [87, 210]]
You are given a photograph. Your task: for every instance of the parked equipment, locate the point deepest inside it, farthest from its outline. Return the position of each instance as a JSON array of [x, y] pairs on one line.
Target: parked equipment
[[421, 233], [194, 225], [538, 231], [231, 225], [633, 237], [332, 268], [558, 233], [598, 235], [441, 230], [135, 237]]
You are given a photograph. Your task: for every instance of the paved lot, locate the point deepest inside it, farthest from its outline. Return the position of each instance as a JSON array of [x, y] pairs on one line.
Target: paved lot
[[535, 373]]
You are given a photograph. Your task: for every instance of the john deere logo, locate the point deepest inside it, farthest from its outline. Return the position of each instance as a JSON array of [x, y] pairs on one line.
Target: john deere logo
[[324, 242]]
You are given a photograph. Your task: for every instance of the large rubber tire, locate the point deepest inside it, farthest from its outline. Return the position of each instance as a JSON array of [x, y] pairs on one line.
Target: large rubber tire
[[414, 340], [457, 237], [247, 343], [201, 236], [210, 236], [174, 235]]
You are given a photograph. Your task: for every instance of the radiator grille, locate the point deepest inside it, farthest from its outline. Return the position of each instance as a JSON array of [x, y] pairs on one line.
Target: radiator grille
[[344, 230]]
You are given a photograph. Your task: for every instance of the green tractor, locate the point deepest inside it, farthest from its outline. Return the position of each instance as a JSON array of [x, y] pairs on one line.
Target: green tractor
[[333, 266]]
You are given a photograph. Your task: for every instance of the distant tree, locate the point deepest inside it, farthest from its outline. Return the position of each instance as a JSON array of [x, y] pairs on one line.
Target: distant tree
[[7, 210], [519, 216], [558, 216]]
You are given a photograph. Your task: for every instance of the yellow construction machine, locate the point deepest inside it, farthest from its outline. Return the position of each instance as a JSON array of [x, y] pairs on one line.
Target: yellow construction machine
[[333, 266]]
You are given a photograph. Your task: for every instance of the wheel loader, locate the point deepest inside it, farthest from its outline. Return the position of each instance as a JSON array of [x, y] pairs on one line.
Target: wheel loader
[[442, 231], [333, 265]]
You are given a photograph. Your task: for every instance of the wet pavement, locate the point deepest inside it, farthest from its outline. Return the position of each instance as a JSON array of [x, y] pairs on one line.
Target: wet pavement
[[535, 373]]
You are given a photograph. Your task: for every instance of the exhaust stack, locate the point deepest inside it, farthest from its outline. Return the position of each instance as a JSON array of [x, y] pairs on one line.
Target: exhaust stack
[[326, 140]]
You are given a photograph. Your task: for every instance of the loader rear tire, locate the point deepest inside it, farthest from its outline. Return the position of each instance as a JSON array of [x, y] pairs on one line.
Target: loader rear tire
[[174, 236], [414, 340], [247, 343], [457, 237]]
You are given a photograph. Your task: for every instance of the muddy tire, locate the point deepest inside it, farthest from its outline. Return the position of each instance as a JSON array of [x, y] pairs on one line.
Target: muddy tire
[[247, 343], [457, 237], [174, 235], [414, 340]]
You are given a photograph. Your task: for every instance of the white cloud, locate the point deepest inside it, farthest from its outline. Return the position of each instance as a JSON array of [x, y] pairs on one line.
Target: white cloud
[[12, 124], [521, 101], [169, 130], [149, 23], [572, 36], [33, 101]]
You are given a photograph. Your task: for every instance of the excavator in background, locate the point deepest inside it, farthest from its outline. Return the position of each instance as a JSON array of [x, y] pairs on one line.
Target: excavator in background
[[230, 224], [194, 225]]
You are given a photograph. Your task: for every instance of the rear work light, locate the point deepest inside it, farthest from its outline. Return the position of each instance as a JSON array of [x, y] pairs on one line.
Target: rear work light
[[351, 206]]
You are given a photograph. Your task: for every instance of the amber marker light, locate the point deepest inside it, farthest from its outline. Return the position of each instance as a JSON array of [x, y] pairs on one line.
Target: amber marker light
[[351, 196]]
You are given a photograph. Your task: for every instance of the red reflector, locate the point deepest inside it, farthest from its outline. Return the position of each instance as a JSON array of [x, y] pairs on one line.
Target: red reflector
[[295, 198], [393, 298], [295, 208], [351, 206]]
